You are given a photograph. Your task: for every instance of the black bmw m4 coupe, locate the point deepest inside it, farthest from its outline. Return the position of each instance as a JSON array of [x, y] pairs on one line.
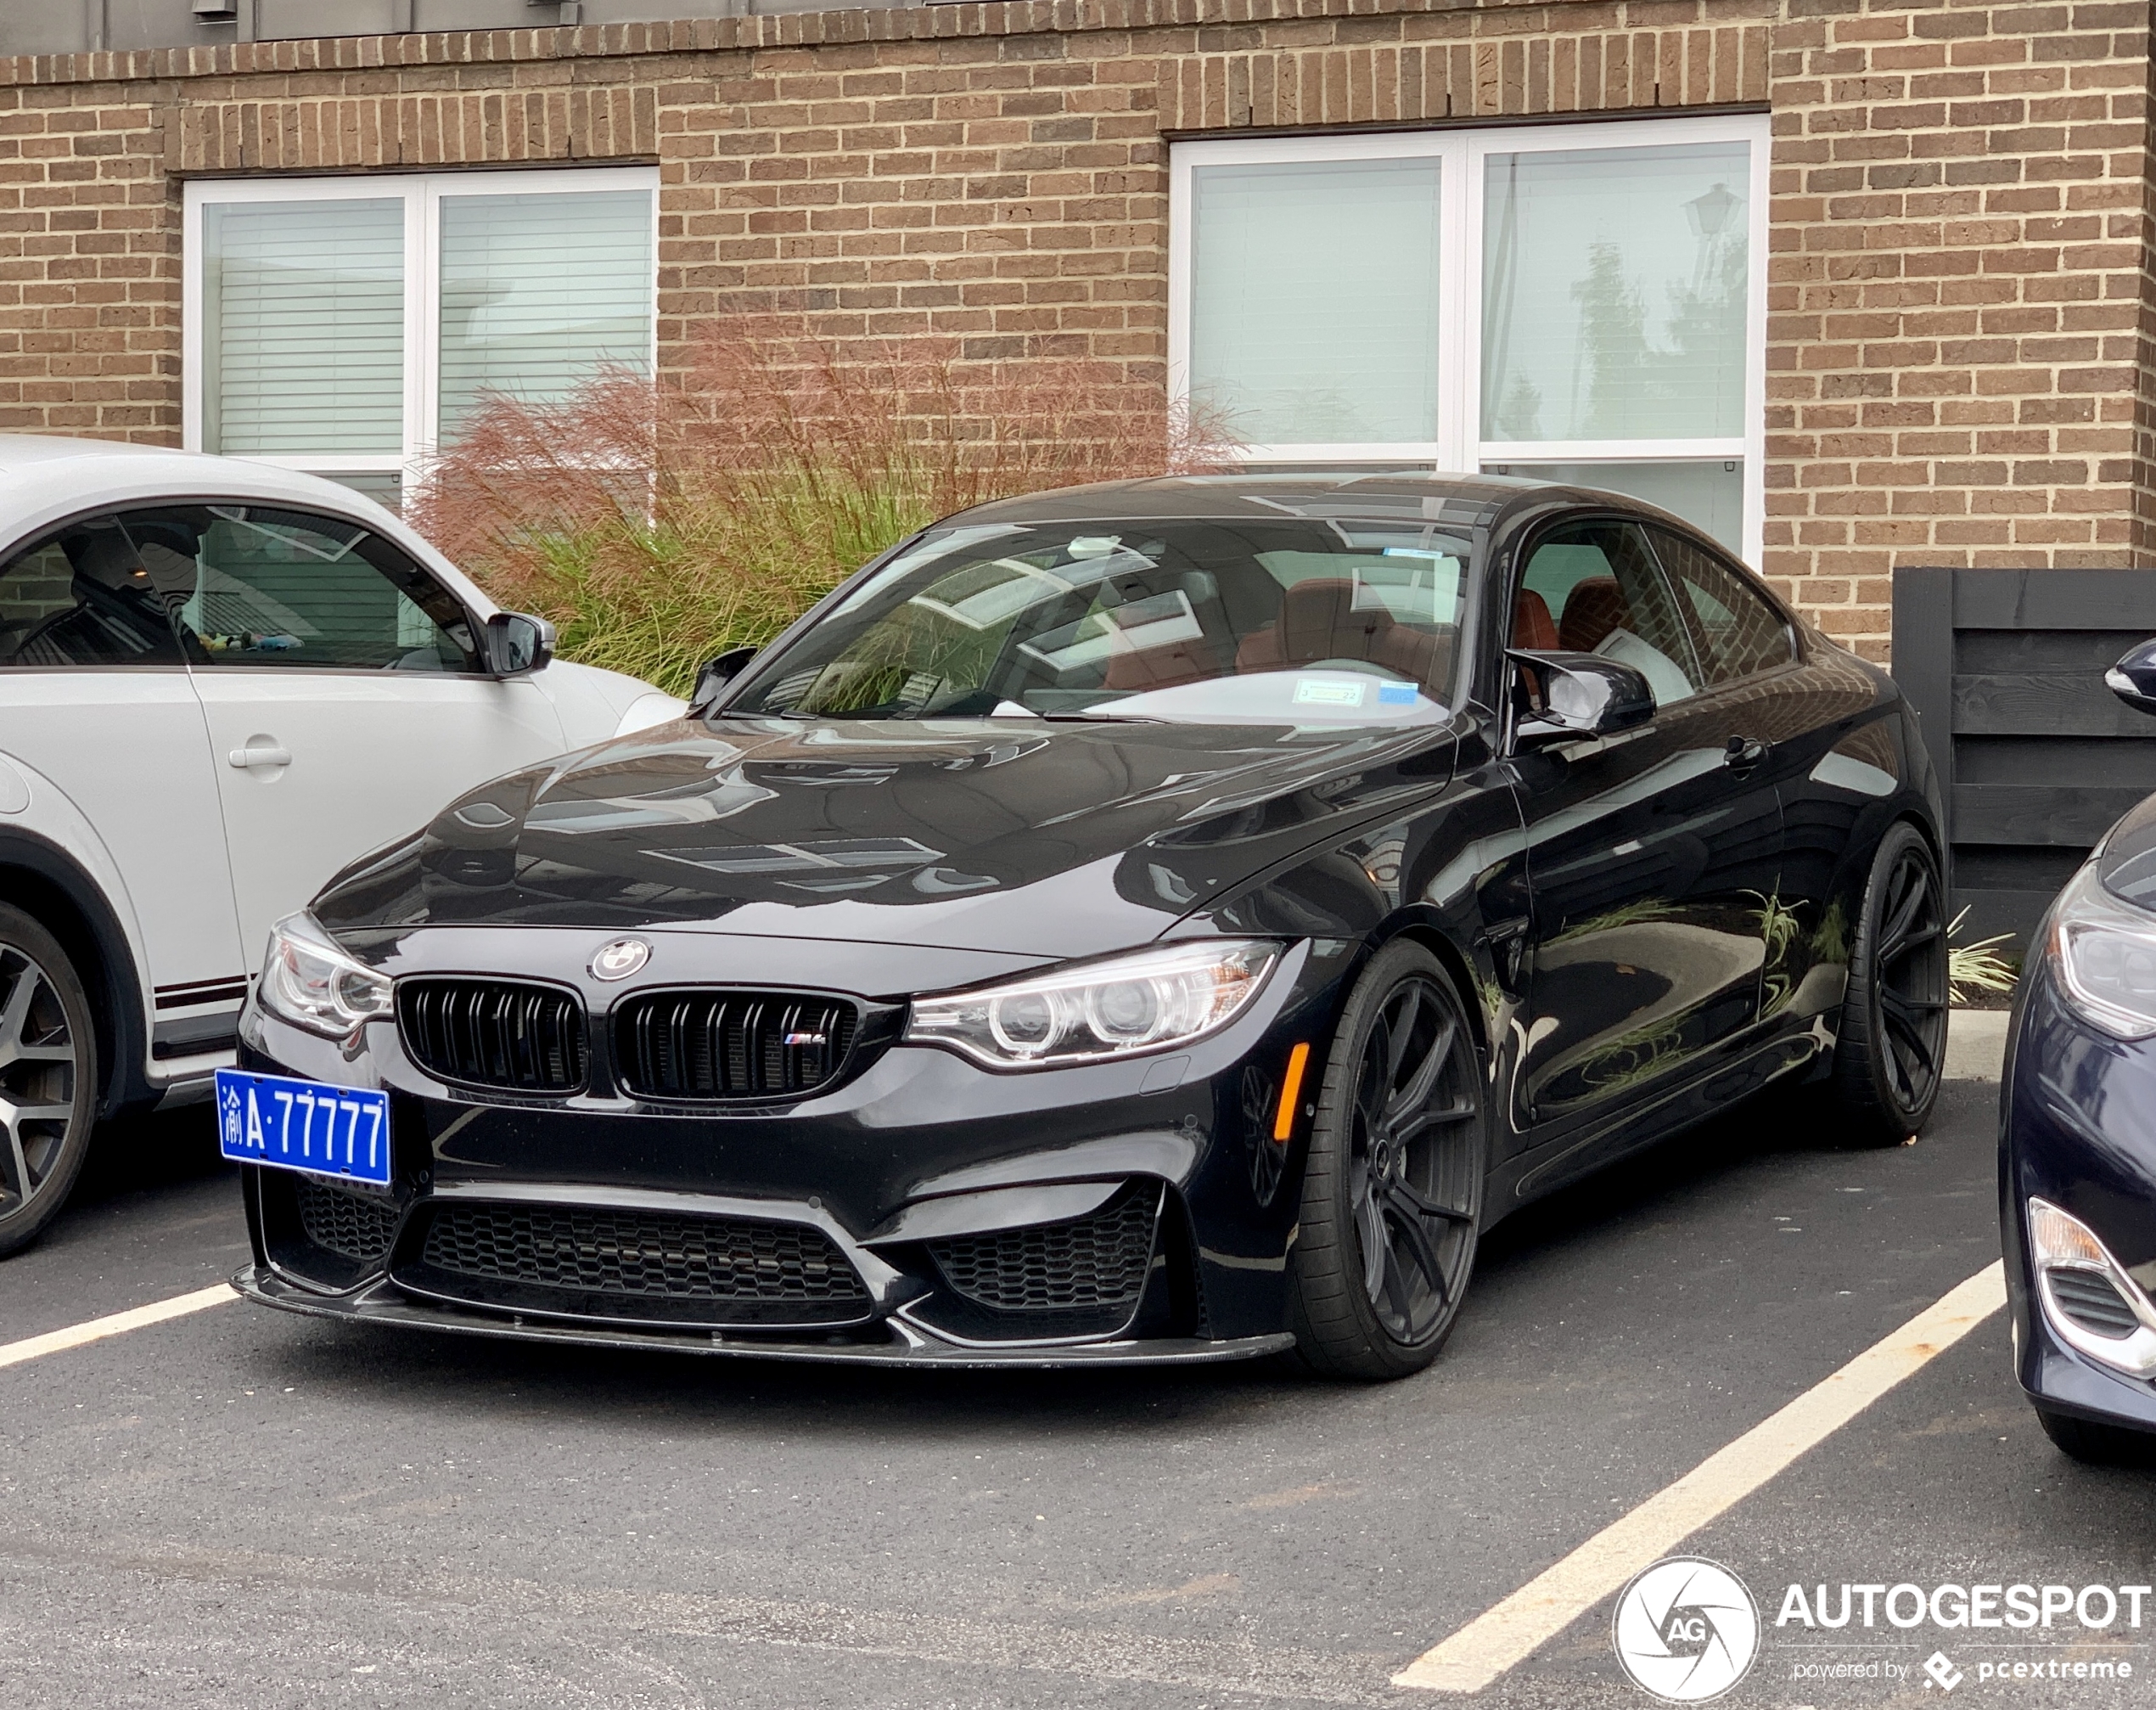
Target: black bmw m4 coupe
[[1162, 921]]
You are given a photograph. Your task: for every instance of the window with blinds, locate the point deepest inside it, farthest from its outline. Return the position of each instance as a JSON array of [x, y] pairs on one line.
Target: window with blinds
[[303, 327], [539, 292], [348, 327]]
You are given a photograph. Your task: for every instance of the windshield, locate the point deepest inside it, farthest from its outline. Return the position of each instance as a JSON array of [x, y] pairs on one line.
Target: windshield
[[1292, 622]]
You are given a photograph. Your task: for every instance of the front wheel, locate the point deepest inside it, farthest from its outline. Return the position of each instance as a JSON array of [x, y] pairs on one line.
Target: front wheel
[[47, 1077], [1892, 1047], [1392, 1187]]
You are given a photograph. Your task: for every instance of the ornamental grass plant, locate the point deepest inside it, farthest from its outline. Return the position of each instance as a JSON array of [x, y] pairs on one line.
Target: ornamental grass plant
[[659, 523]]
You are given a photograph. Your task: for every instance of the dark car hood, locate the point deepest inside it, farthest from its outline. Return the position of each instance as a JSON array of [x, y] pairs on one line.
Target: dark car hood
[[980, 833]]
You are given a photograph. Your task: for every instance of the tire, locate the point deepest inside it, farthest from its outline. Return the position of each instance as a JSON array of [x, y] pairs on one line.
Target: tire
[[1891, 1051], [1397, 1152], [2097, 1445], [49, 1078]]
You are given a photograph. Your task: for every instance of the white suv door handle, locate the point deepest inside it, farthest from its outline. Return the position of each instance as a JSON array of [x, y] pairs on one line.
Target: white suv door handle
[[260, 751]]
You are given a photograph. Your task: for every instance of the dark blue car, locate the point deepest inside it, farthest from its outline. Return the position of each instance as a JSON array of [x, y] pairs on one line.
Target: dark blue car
[[2077, 1162]]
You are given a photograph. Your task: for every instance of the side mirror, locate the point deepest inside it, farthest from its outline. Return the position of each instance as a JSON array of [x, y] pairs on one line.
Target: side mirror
[[1564, 697], [2133, 678], [517, 642], [712, 679]]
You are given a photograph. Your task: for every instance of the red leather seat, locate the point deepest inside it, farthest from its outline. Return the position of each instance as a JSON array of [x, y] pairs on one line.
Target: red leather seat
[[1533, 627], [1161, 668], [1594, 608], [1318, 622]]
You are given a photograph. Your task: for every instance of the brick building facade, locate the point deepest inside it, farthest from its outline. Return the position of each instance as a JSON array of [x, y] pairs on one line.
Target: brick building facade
[[1957, 283]]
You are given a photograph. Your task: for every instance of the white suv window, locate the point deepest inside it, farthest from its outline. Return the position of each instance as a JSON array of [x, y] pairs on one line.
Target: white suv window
[[80, 597], [264, 587]]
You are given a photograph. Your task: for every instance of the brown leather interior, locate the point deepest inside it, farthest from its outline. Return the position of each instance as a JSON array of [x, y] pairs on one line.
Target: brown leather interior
[[1317, 621], [1533, 627], [1161, 668], [1594, 608]]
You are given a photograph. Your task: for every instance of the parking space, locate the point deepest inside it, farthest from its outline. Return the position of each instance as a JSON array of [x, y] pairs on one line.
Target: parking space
[[240, 1507]]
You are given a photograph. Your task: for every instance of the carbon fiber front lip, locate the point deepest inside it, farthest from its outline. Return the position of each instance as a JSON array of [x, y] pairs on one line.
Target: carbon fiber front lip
[[382, 1302]]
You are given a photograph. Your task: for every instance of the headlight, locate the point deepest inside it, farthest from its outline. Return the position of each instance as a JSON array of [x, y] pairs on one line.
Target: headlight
[[310, 982], [2105, 951], [1088, 1014]]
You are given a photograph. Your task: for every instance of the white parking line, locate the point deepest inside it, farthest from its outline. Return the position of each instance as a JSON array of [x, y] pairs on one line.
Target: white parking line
[[115, 1323], [1510, 1631]]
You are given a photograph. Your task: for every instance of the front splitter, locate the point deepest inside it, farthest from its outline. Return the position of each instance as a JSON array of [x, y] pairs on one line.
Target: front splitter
[[384, 1303]]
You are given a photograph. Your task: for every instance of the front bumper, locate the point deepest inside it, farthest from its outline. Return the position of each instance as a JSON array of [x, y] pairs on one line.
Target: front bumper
[[381, 1302], [2078, 1129], [922, 1211]]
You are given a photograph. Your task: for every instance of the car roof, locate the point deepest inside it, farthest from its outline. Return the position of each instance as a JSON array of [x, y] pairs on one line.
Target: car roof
[[1459, 501]]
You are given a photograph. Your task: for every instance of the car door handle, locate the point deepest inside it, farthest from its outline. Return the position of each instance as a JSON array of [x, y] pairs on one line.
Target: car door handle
[[1743, 753], [259, 753]]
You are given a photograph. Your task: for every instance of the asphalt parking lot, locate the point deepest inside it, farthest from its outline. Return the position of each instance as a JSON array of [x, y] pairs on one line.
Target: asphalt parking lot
[[238, 1507]]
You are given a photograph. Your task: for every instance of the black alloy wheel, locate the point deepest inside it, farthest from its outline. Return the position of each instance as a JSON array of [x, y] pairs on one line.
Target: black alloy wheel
[[47, 1077], [1392, 1185], [1892, 1049]]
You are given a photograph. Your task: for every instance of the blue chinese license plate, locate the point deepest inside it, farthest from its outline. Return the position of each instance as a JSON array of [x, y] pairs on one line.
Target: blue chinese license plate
[[303, 1125]]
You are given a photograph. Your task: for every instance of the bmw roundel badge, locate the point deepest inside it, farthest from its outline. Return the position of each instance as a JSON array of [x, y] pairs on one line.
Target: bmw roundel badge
[[620, 958]]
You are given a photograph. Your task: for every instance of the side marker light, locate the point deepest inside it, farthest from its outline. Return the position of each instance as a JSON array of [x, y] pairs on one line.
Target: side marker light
[[1284, 1123]]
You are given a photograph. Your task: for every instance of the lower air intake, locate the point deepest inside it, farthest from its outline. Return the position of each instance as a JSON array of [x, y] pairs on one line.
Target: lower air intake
[[354, 1226], [1084, 1277], [2089, 1299], [581, 1261]]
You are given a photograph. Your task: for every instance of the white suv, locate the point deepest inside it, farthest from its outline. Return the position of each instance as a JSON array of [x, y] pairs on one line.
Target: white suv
[[219, 683]]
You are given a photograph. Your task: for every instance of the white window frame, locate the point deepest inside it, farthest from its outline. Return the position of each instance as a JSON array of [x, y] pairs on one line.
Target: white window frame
[[423, 195], [1463, 153]]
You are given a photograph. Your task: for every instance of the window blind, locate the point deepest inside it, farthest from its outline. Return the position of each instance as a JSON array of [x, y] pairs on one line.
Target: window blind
[[303, 327], [1314, 299], [539, 291], [1614, 293]]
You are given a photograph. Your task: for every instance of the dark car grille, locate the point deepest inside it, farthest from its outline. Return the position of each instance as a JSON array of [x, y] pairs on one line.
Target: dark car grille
[[693, 1045], [494, 1033], [1098, 1262], [354, 1226], [628, 1264], [2090, 1301]]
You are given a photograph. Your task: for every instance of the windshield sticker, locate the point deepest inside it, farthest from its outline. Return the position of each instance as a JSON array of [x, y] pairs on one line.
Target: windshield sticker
[[1327, 691], [1395, 694]]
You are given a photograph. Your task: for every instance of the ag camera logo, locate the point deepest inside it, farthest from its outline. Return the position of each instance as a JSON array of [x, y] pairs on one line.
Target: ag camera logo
[[1685, 1629]]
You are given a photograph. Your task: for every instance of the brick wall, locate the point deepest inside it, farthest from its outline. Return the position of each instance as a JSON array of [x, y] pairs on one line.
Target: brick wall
[[1958, 341], [1958, 276]]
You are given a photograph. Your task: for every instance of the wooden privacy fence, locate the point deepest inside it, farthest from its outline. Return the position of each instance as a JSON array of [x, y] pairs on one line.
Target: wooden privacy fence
[[2035, 756]]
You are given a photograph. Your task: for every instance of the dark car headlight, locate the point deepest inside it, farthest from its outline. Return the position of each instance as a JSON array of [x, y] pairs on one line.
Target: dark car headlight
[[2105, 951], [1146, 1001], [307, 981]]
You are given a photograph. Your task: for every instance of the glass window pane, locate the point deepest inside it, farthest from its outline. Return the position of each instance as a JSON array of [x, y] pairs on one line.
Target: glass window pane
[[1614, 292], [257, 586], [1739, 634], [540, 291], [303, 327], [82, 598], [1314, 301], [1710, 496], [1600, 584]]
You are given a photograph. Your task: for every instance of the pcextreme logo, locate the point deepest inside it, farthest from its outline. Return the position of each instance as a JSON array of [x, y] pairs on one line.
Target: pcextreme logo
[[1685, 1629]]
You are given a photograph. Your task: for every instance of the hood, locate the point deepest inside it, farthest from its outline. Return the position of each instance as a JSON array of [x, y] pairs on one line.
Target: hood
[[979, 834]]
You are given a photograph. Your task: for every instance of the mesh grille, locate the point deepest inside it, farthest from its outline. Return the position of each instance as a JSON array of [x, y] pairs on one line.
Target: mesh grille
[[2092, 1302], [494, 1033], [1099, 1260], [643, 1255], [356, 1226], [730, 1044]]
